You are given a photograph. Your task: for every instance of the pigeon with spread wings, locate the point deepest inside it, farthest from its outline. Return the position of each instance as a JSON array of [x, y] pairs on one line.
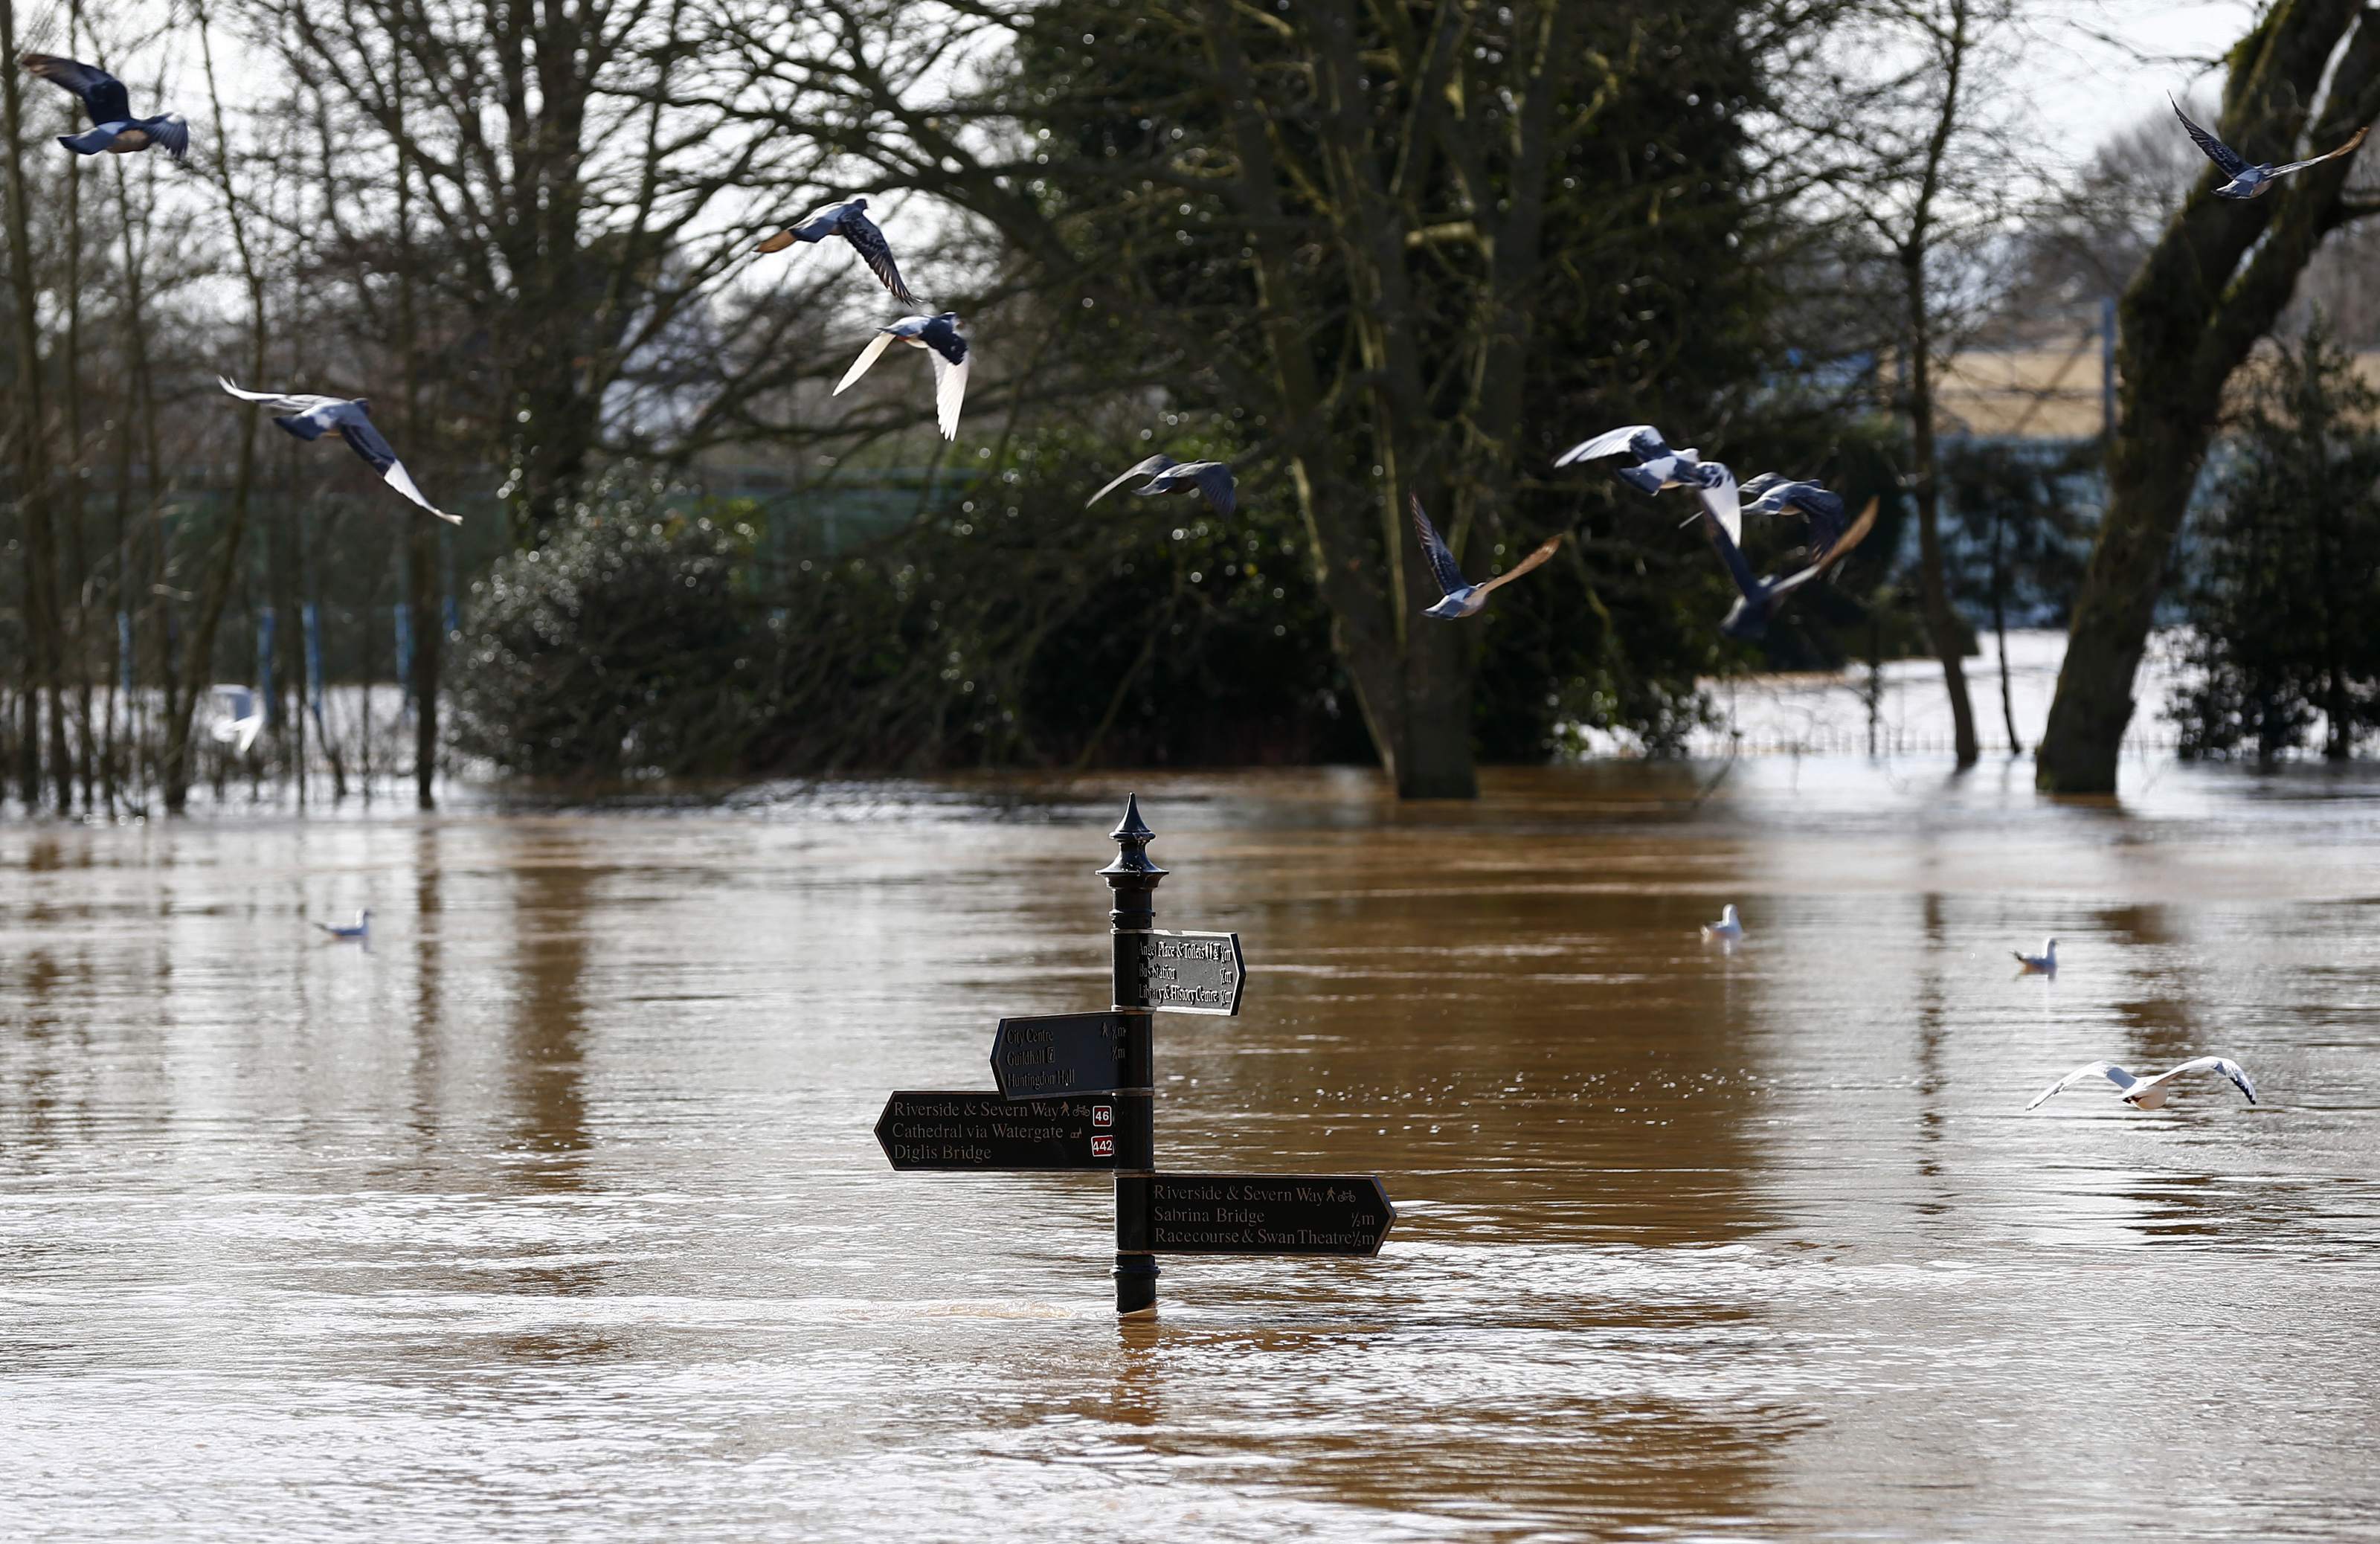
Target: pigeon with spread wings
[[2149, 1093], [1462, 597], [2247, 181], [848, 220], [310, 418], [1762, 598], [939, 335], [1657, 468], [113, 126], [1166, 475]]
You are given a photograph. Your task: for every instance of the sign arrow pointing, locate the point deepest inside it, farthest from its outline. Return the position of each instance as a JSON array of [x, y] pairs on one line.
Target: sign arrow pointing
[[1057, 1054], [976, 1130], [1252, 1214], [1192, 973]]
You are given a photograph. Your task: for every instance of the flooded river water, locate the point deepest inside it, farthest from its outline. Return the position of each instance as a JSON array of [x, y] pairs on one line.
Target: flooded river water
[[557, 1214]]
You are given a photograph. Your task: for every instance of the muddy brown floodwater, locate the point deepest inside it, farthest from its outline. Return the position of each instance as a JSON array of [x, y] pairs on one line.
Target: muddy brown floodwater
[[556, 1213]]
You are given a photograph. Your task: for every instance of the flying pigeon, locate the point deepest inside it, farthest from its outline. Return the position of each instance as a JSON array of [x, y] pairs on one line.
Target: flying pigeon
[[1658, 467], [2043, 964], [1168, 476], [308, 416], [2149, 1093], [938, 334], [241, 718], [103, 97], [2253, 182], [362, 928], [1463, 598], [850, 221], [1726, 930], [1774, 493], [1762, 598]]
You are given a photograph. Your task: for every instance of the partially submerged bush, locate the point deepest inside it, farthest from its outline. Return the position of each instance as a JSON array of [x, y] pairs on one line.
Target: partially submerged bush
[[619, 647]]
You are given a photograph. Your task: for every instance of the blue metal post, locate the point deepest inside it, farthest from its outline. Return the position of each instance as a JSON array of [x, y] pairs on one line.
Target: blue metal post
[[312, 615]]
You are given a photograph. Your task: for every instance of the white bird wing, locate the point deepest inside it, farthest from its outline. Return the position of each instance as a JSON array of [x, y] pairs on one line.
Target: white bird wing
[[276, 400], [2107, 1070], [1149, 467], [365, 440], [950, 391], [867, 356], [1725, 504], [2224, 1064], [1610, 443], [2317, 161], [399, 478]]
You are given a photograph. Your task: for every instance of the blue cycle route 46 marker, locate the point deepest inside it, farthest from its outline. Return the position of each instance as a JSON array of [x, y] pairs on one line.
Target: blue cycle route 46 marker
[[1077, 1091]]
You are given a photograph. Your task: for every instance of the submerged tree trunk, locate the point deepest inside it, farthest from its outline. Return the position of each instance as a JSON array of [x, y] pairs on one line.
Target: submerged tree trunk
[[2214, 283], [1916, 250], [1941, 622], [215, 590], [1999, 629], [422, 538], [44, 645]]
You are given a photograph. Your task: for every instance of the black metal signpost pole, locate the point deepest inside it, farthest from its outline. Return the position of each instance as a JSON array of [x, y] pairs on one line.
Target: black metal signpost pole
[[1134, 877], [1078, 1091]]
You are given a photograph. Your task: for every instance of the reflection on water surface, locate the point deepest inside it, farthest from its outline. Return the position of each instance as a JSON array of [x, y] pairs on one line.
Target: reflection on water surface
[[557, 1210]]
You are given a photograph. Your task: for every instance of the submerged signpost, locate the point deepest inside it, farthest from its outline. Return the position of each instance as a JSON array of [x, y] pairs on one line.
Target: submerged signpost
[[1077, 1091]]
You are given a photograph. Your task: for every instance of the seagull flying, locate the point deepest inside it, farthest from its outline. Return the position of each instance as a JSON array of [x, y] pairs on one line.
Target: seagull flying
[[1762, 598], [1774, 493], [309, 417], [241, 718], [2253, 182], [103, 97], [1462, 597], [2043, 964], [1726, 930], [1168, 476], [2149, 1093], [1658, 467], [940, 335], [361, 930], [850, 221]]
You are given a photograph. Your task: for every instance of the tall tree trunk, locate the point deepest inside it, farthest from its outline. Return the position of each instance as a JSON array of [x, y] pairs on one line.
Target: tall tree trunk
[[78, 550], [422, 538], [1942, 623], [144, 390], [215, 591], [2214, 283], [1999, 629], [44, 648]]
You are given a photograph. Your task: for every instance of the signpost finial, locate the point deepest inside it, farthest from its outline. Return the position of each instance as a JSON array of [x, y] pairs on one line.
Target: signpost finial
[[1133, 866]]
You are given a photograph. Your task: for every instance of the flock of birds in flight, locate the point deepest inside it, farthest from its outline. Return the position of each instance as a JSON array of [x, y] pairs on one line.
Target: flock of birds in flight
[[2141, 1093], [1653, 467]]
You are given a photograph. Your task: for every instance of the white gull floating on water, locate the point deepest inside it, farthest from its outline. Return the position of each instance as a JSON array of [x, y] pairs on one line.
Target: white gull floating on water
[[1726, 930], [2043, 964]]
